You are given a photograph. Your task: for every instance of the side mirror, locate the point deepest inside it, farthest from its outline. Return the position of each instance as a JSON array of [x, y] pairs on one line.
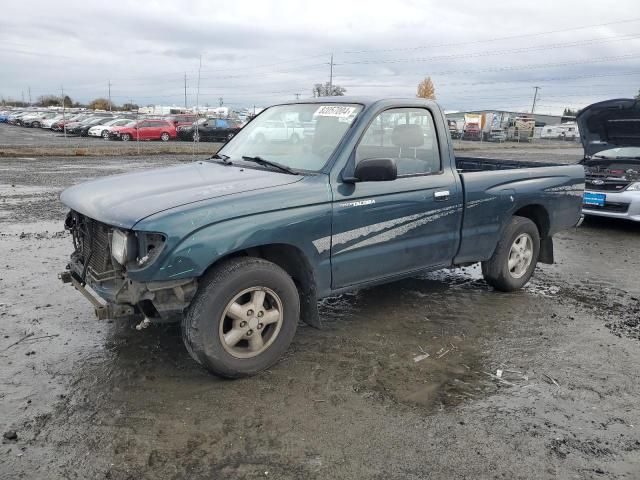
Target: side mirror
[[374, 170]]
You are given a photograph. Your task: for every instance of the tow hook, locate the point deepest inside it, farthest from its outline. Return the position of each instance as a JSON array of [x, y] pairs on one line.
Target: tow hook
[[65, 277]]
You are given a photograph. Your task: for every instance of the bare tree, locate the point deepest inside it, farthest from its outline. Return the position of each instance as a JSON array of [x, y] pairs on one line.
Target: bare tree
[[328, 90], [99, 104], [426, 89]]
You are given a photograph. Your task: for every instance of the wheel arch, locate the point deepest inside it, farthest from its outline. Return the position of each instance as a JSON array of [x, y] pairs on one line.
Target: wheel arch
[[293, 261], [539, 215]]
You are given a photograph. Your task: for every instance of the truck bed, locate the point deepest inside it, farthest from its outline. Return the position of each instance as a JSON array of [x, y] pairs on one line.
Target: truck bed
[[481, 164], [496, 189]]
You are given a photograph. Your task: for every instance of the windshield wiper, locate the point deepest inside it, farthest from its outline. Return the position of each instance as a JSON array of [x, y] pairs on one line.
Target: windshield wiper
[[221, 156], [269, 163]]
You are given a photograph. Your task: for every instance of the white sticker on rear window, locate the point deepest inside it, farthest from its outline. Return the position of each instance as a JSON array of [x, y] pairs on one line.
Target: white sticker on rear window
[[340, 111]]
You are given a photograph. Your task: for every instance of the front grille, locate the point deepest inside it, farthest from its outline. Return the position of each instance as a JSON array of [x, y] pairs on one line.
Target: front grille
[[604, 184], [92, 246], [616, 207]]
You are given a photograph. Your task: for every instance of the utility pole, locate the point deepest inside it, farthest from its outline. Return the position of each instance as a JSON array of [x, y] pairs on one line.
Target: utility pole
[[185, 90], [109, 83], [64, 122], [29, 95], [23, 97], [331, 76], [297, 96], [197, 139], [221, 100], [535, 97]]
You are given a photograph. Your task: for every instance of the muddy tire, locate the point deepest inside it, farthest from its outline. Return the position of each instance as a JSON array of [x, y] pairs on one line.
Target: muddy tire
[[515, 257], [243, 317], [125, 137]]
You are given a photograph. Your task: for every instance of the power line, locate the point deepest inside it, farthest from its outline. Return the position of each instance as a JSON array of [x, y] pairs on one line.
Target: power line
[[487, 53], [531, 66], [495, 39]]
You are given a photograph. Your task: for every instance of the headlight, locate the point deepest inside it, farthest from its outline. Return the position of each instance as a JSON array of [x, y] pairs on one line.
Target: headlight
[[122, 247], [634, 187]]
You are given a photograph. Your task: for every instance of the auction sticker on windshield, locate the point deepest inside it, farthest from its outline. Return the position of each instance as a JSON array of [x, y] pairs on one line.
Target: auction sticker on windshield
[[340, 111]]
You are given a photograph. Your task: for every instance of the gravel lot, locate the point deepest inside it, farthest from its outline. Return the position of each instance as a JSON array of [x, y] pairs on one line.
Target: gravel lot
[[19, 141], [90, 399]]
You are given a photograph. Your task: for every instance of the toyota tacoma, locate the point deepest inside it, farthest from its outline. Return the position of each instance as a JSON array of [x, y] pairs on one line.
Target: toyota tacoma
[[240, 246]]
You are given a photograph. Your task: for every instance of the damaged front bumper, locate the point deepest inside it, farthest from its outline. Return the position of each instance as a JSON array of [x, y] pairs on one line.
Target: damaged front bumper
[[159, 302], [103, 309]]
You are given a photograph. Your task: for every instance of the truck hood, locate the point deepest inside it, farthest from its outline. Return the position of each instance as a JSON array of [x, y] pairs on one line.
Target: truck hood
[[609, 124], [124, 200]]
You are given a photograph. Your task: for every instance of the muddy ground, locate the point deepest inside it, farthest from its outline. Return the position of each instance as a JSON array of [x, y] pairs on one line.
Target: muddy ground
[[92, 399]]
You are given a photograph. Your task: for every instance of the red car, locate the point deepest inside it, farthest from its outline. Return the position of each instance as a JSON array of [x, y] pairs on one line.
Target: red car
[[145, 130]]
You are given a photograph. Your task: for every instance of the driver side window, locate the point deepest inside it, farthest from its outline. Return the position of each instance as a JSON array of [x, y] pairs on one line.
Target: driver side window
[[406, 135]]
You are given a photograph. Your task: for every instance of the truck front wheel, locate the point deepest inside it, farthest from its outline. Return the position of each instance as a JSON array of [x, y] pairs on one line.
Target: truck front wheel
[[243, 317], [515, 257]]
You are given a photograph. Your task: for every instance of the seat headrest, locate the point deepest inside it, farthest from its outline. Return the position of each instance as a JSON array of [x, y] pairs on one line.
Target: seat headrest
[[407, 136]]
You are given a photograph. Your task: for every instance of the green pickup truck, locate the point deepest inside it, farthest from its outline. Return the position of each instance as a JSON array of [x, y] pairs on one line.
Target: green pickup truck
[[240, 246]]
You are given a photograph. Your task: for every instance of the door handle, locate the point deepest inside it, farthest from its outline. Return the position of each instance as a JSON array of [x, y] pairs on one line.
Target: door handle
[[441, 196]]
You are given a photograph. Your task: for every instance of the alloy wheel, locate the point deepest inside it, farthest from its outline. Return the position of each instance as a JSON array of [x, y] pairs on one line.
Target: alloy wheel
[[520, 255], [251, 322]]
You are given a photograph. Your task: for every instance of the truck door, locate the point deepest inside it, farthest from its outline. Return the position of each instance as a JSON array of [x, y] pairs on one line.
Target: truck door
[[381, 229]]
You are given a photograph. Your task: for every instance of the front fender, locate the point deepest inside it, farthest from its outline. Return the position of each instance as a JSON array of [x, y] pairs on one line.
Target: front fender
[[191, 255]]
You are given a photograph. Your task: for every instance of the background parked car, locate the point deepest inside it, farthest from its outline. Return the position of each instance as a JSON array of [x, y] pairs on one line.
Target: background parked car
[[209, 129], [14, 118], [103, 129], [35, 120], [82, 129], [145, 130], [67, 120], [278, 131], [48, 123]]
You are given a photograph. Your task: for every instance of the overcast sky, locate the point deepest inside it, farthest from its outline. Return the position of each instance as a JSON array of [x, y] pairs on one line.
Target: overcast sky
[[480, 55]]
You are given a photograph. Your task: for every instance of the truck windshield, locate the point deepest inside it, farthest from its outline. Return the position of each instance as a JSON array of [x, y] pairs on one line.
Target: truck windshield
[[300, 136]]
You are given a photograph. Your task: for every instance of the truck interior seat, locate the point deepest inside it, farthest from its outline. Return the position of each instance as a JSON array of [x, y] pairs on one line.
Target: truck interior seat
[[409, 138]]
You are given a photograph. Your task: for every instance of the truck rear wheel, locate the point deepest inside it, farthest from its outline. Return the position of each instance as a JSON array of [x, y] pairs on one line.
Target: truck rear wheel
[[515, 257], [243, 317]]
